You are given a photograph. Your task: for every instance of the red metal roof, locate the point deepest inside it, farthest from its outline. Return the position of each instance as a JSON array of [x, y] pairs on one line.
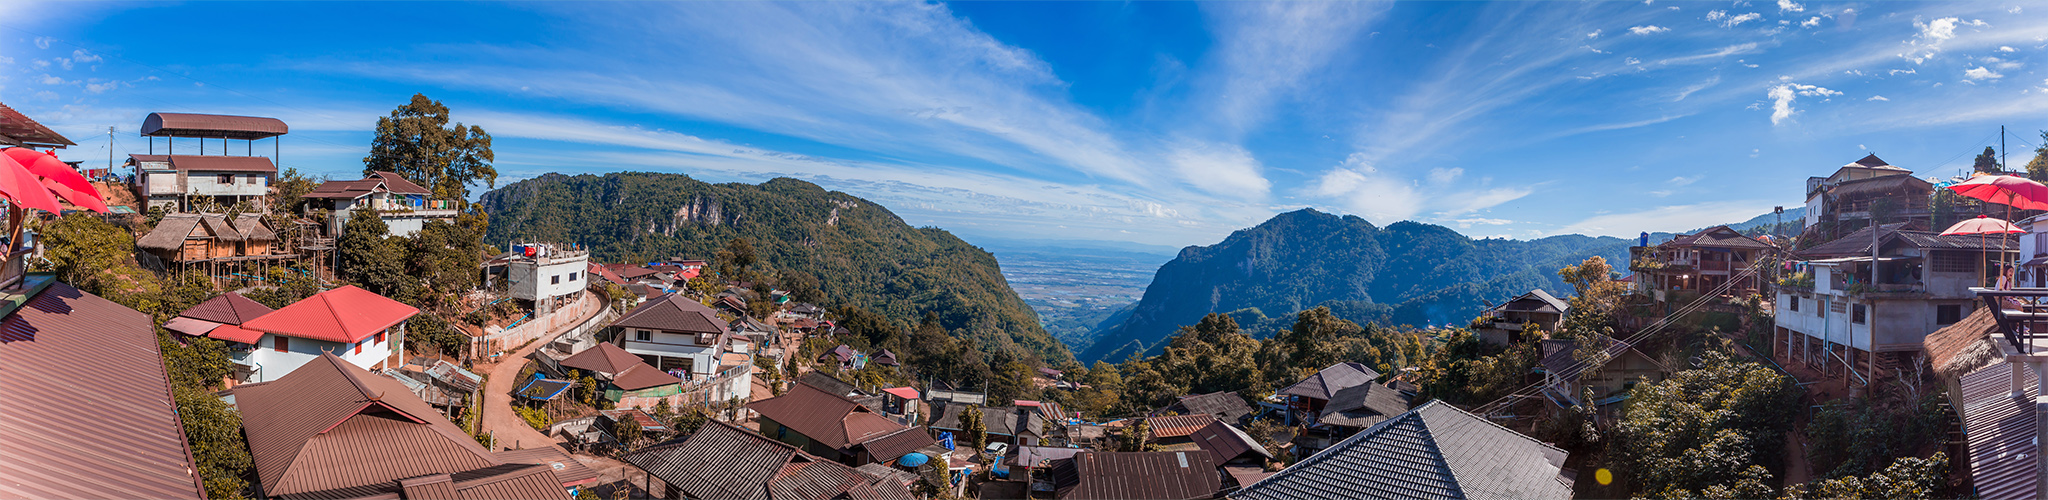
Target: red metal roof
[[229, 309], [1178, 425], [346, 314], [197, 163], [903, 392], [200, 125], [830, 419], [232, 333], [65, 354]]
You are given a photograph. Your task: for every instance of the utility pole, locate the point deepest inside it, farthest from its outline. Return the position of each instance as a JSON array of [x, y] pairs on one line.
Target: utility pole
[[2001, 148], [110, 150]]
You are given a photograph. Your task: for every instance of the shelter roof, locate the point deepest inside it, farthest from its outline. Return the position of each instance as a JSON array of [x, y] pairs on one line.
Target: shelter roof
[[346, 314], [1718, 237], [2001, 432], [208, 163], [727, 462], [641, 376], [228, 308], [830, 419], [203, 125], [1178, 425], [1325, 384], [63, 354], [1883, 185], [17, 129], [1857, 243], [646, 420], [1364, 405], [1225, 405], [1963, 347], [903, 392], [232, 333], [1165, 475], [566, 468], [1226, 442], [896, 444], [674, 313], [1435, 451], [189, 326]]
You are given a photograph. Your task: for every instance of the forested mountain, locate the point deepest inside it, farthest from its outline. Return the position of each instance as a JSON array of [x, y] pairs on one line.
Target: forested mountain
[[861, 254], [1405, 273]]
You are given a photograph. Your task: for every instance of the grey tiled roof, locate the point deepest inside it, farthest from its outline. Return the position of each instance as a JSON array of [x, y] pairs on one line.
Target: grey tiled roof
[[1434, 452]]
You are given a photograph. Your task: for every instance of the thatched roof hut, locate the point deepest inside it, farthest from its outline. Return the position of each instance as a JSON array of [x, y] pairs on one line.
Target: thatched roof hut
[[252, 228], [1963, 347]]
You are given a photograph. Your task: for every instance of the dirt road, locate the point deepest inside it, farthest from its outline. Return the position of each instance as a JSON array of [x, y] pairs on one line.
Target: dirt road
[[511, 431]]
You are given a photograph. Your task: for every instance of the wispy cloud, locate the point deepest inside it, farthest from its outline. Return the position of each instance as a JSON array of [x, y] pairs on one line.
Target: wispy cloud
[[1667, 218], [1979, 73], [1647, 30], [1267, 49], [1783, 94], [1358, 187], [1220, 169]]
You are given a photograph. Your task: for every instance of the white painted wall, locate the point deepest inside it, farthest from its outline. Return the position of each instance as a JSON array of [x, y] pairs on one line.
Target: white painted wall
[[547, 278], [274, 364], [703, 358]]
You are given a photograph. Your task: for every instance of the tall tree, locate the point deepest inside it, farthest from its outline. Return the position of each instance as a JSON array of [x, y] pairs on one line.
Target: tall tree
[[291, 188], [2038, 168], [417, 143], [1987, 162], [370, 258], [976, 431]]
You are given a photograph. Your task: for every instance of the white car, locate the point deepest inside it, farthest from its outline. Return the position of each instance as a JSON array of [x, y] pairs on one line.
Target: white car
[[997, 449]]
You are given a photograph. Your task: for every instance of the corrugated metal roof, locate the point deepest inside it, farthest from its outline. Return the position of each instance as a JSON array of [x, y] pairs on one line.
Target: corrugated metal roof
[[232, 333], [330, 424], [718, 461], [1166, 475], [2000, 430], [830, 419], [66, 354], [1857, 243], [190, 326], [1436, 451], [1225, 405], [17, 129], [641, 376], [567, 469], [603, 358], [1177, 425], [228, 308], [673, 313], [202, 125], [346, 314], [894, 445], [198, 163], [1225, 442]]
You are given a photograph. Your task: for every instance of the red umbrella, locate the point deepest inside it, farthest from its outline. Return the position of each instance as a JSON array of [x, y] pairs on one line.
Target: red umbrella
[[1984, 225], [2012, 191], [59, 178], [23, 188]]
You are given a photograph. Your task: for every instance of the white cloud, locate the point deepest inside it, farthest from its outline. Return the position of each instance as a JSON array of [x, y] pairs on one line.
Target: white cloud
[[1810, 22], [101, 87], [1782, 96], [1927, 43], [1736, 20], [1647, 30], [1980, 73], [2003, 48], [1362, 189], [1877, 98], [1667, 218], [1631, 61], [83, 57], [1594, 34], [1683, 180], [1907, 71], [1740, 48], [1482, 221], [1220, 169], [1717, 15], [1790, 6], [1689, 90], [1268, 50], [51, 80], [43, 42]]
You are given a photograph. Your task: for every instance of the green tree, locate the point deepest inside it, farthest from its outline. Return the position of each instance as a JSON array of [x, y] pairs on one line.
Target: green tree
[[289, 191], [1987, 161], [629, 432], [214, 431], [802, 286], [445, 257], [81, 249], [1907, 478], [430, 333], [370, 258], [1134, 437], [974, 429], [690, 419], [417, 143], [2037, 169], [1703, 427], [199, 363]]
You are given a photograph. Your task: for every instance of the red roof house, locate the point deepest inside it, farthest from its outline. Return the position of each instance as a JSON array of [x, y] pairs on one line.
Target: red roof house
[[346, 314]]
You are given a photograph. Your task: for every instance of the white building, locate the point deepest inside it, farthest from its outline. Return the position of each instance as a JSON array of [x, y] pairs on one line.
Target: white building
[[674, 333], [1831, 312], [363, 328], [545, 274], [405, 207], [173, 181]]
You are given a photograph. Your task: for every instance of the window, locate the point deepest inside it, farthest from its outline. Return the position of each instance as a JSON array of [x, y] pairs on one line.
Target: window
[[380, 337], [572, 277], [227, 178], [1793, 305], [359, 348], [1856, 314], [1955, 262], [252, 180], [283, 344], [643, 336], [555, 280], [1947, 314]]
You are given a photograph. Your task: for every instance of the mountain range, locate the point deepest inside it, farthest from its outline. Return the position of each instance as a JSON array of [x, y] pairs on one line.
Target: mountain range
[[1404, 273], [862, 254]]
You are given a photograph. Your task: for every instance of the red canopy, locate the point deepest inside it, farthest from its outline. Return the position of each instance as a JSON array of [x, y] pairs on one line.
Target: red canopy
[[24, 189], [2014, 191], [59, 178], [1983, 224]]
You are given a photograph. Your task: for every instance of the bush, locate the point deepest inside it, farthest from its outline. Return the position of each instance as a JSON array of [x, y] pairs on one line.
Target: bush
[[536, 417]]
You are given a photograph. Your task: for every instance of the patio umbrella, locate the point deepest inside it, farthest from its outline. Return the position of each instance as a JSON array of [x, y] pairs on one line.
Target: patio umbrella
[[23, 188], [59, 178], [2011, 191], [1983, 226]]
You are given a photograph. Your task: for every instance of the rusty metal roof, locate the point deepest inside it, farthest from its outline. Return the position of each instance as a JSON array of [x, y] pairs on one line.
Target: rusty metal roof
[[201, 125], [1164, 475], [1226, 443], [17, 129], [2000, 430], [830, 419], [65, 354], [727, 462], [1178, 425], [506, 481], [330, 424]]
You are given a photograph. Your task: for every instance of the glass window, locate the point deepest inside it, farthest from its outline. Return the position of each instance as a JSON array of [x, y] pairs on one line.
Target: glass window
[[643, 336], [380, 337], [555, 280], [1793, 304], [1946, 314], [1856, 314], [572, 277], [227, 178], [359, 348]]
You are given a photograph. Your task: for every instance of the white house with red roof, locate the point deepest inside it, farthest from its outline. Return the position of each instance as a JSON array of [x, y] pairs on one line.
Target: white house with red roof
[[405, 206], [355, 325]]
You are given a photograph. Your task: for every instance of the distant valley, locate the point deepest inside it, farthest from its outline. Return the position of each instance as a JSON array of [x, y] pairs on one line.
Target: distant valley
[[1075, 287]]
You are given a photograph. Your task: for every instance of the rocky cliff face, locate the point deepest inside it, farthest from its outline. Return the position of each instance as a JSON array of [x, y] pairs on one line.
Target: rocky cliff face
[[1405, 273]]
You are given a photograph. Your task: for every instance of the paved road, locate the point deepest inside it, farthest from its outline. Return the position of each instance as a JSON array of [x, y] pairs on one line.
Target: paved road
[[512, 432]]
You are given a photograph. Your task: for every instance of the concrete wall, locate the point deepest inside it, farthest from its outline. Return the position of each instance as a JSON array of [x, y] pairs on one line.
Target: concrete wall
[[533, 280], [299, 351], [240, 183]]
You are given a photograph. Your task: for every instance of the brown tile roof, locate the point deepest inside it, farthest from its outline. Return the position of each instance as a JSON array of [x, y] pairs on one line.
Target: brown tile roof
[[65, 354], [330, 424], [675, 313], [1225, 442], [641, 376], [1177, 425], [1166, 475], [726, 462], [229, 309], [830, 419], [604, 358], [398, 184], [384, 181]]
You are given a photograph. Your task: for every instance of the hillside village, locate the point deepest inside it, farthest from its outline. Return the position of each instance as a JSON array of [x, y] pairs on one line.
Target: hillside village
[[257, 333]]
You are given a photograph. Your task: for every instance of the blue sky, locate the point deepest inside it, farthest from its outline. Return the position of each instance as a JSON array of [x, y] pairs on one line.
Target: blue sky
[[1150, 122]]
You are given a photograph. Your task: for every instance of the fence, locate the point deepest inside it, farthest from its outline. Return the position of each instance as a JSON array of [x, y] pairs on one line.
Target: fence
[[498, 339], [734, 382]]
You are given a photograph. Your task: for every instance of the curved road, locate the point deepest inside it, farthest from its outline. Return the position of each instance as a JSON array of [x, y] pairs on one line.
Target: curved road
[[512, 431]]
